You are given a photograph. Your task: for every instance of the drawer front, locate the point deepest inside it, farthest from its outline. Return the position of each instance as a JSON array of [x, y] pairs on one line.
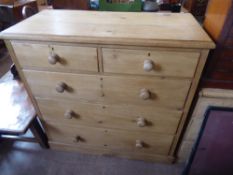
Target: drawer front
[[162, 63], [157, 92], [120, 140], [126, 117], [108, 152], [56, 57], [64, 85]]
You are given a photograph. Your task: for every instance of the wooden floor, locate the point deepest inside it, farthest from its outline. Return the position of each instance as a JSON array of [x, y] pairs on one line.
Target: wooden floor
[[28, 158]]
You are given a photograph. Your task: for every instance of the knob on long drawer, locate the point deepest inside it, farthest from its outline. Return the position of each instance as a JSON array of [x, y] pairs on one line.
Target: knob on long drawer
[[61, 86], [139, 144], [69, 114], [148, 65], [53, 58], [145, 94], [141, 122]]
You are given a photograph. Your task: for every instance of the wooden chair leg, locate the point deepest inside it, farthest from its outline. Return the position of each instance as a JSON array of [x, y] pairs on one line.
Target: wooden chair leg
[[14, 72], [38, 133]]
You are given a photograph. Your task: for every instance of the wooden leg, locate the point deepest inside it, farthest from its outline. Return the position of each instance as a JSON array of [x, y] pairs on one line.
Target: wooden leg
[[38, 133], [14, 72]]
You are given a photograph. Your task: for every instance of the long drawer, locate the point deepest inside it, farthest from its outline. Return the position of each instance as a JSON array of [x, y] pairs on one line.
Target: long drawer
[[136, 141], [128, 117], [150, 62], [108, 152], [109, 89], [56, 57]]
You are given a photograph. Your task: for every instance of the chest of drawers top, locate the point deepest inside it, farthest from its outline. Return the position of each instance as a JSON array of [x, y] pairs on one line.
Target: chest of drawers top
[[120, 28]]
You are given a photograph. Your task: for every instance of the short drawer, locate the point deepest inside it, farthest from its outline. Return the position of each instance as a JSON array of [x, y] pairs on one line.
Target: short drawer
[[120, 140], [56, 57], [147, 62], [128, 117], [64, 85]]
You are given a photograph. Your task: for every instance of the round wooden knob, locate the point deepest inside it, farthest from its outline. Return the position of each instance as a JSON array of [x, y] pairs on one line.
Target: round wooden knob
[[139, 144], [53, 58], [141, 122], [148, 65], [60, 88], [69, 114], [145, 94]]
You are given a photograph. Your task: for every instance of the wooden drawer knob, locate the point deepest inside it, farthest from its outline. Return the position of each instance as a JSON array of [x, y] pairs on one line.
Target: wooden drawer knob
[[148, 65], [141, 122], [145, 94], [61, 86], [139, 144], [53, 58], [69, 114]]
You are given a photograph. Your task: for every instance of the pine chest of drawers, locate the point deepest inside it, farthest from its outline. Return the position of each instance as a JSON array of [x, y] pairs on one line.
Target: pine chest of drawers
[[111, 83]]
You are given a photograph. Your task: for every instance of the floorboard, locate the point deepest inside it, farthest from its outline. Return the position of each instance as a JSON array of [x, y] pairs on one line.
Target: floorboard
[[22, 158]]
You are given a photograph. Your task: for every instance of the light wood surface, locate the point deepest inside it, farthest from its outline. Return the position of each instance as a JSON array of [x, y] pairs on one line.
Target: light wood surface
[[163, 63], [163, 92], [109, 91], [120, 140], [191, 94], [120, 116], [113, 90], [108, 152], [68, 57], [79, 86], [217, 93], [21, 75], [144, 29]]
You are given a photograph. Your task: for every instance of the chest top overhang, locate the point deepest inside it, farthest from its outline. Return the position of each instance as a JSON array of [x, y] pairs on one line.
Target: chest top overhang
[[120, 28]]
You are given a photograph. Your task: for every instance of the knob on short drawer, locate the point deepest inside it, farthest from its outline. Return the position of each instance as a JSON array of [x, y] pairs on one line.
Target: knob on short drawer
[[141, 122], [145, 94], [69, 114], [148, 65], [61, 86], [53, 58], [139, 144]]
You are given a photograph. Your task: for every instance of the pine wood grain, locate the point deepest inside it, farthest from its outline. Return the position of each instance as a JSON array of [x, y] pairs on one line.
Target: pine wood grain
[[109, 138], [70, 58], [123, 28], [165, 63], [164, 92], [107, 90], [108, 152], [79, 86], [119, 116]]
